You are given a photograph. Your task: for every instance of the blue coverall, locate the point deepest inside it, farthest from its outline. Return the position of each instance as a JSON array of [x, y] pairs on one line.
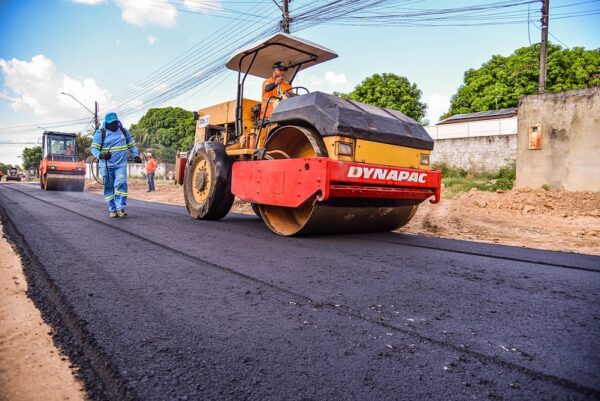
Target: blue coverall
[[114, 170]]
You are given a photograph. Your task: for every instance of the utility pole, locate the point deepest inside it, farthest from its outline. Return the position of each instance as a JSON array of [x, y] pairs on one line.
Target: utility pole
[[96, 122], [285, 20], [544, 45], [94, 113]]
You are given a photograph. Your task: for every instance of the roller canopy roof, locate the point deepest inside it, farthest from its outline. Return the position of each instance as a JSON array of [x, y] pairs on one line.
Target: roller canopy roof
[[332, 115], [290, 50]]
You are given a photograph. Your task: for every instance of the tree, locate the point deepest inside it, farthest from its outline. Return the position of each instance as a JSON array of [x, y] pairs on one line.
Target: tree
[[392, 92], [502, 81], [164, 131], [5, 167], [32, 157], [84, 143]]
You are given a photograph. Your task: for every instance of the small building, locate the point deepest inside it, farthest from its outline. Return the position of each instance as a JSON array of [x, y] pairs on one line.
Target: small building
[[482, 141]]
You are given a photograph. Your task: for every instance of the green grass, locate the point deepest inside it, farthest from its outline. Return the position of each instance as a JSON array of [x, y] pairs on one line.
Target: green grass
[[457, 181]]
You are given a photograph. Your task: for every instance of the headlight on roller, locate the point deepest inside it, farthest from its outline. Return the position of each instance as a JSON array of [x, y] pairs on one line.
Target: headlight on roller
[[344, 149], [424, 160], [52, 167], [79, 169]]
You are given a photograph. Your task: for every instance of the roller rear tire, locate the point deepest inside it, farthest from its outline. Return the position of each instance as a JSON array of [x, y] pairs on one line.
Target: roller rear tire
[[207, 182]]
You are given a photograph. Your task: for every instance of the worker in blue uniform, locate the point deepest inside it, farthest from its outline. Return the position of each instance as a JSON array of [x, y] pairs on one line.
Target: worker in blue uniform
[[110, 146]]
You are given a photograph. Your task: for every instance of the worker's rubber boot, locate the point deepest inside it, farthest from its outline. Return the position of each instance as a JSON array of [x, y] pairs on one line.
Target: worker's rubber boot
[[112, 215], [122, 213]]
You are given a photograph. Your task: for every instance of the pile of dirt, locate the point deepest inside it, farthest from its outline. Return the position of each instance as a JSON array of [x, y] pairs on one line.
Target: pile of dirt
[[534, 218], [537, 202], [555, 220]]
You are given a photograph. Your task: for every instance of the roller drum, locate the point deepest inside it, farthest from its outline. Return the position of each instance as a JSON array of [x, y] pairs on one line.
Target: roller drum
[[65, 182], [339, 216], [316, 218]]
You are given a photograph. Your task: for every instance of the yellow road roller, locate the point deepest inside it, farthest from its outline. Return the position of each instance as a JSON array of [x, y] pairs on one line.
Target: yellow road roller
[[319, 164]]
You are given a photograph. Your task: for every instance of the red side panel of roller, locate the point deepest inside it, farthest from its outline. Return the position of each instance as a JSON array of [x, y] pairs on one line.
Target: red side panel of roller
[[290, 182]]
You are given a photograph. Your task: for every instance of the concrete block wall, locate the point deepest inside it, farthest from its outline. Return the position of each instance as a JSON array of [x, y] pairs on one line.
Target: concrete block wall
[[138, 170], [484, 153], [569, 157]]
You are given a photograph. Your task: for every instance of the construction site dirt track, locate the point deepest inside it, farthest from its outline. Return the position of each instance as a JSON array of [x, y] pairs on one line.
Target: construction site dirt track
[[159, 306]]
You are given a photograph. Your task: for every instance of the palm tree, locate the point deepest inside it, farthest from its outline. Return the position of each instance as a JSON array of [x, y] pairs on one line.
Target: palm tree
[[84, 143], [143, 142]]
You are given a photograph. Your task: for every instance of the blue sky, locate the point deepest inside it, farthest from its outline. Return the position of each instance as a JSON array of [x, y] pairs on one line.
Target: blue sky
[[96, 51]]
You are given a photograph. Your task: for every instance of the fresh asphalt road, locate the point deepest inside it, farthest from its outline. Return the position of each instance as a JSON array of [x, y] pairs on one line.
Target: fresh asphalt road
[[162, 307]]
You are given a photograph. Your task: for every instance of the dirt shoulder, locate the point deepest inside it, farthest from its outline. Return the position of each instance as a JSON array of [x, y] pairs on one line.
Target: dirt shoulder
[[552, 220], [31, 367]]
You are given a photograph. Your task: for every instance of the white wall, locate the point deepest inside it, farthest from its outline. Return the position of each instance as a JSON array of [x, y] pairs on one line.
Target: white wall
[[499, 126], [138, 170]]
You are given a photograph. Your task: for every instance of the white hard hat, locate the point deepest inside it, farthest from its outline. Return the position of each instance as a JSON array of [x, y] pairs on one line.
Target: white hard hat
[[148, 154]]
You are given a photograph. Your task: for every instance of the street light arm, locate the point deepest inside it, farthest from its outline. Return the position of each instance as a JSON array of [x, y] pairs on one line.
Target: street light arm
[[277, 4], [74, 98]]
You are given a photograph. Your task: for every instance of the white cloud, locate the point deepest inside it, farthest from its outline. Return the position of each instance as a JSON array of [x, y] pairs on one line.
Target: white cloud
[[90, 2], [330, 79], [437, 104], [142, 13], [160, 88], [136, 104], [37, 85], [151, 39], [334, 79], [204, 6]]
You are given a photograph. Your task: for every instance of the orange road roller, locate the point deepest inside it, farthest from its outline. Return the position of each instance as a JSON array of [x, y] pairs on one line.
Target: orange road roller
[[318, 164], [60, 167]]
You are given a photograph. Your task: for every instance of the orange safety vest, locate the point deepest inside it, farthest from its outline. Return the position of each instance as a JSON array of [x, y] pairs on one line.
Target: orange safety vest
[[278, 91], [151, 166]]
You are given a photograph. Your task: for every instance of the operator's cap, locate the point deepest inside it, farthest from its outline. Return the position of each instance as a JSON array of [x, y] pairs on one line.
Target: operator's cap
[[110, 117], [279, 65], [148, 154]]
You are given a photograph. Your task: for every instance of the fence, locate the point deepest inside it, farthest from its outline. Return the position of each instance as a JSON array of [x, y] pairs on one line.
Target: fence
[[138, 170], [475, 145]]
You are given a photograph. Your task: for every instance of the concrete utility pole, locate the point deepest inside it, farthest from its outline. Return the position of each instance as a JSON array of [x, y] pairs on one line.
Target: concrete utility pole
[[544, 45], [285, 20], [96, 122]]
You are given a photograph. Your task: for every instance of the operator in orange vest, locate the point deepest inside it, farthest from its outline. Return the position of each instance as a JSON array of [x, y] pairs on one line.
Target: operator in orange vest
[[274, 89], [150, 169]]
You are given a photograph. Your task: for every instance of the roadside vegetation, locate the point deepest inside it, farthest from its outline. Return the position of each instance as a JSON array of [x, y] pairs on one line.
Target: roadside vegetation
[[501, 81], [456, 180]]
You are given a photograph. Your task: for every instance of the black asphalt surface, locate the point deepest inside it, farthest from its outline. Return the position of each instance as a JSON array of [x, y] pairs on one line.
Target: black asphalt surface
[[162, 307]]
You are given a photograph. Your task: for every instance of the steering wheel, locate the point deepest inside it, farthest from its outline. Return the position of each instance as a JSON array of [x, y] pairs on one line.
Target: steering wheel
[[296, 89]]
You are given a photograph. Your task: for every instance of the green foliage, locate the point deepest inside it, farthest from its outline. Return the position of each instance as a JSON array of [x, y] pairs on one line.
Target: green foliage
[[389, 91], [84, 143], [501, 81], [32, 157], [4, 167], [457, 180], [164, 131], [546, 187]]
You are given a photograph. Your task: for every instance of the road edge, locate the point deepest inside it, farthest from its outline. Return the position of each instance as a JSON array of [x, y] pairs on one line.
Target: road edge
[[69, 333]]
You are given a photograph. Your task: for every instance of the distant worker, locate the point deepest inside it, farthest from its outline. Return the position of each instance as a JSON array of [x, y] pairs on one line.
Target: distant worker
[[111, 145], [274, 89], [69, 151], [150, 169]]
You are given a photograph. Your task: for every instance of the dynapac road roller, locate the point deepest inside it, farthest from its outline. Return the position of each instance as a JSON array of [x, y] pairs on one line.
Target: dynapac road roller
[[60, 167], [320, 164]]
